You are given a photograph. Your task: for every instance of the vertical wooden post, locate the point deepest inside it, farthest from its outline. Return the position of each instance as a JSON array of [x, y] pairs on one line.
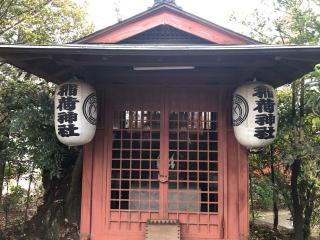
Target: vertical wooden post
[[85, 223]]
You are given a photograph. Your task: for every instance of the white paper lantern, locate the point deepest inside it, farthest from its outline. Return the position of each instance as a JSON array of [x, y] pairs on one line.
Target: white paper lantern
[[75, 113], [255, 115]]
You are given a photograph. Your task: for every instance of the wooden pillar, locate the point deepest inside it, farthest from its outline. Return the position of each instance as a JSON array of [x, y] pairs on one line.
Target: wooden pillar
[[237, 210], [85, 221]]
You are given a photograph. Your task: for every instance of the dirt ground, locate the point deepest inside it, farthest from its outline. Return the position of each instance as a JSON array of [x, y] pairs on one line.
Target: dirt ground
[[285, 222]]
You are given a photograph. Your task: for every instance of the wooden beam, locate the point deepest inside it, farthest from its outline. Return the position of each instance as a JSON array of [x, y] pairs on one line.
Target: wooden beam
[[208, 61]]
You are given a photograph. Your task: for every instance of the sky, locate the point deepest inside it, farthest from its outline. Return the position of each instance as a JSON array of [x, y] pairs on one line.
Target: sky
[[103, 14]]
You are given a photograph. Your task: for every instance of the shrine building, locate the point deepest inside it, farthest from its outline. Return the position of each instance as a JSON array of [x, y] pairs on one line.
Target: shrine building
[[164, 162]]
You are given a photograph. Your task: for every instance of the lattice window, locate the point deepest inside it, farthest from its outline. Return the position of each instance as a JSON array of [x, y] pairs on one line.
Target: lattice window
[[135, 160], [165, 34], [193, 162]]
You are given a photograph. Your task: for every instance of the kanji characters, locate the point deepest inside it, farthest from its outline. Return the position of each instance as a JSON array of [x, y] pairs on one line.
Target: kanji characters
[[68, 117], [67, 130], [263, 119], [263, 92], [265, 106], [67, 103], [264, 132], [68, 90]]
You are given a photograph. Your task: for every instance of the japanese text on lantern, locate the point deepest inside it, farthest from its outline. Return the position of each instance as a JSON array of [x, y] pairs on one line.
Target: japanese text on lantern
[[265, 118], [67, 117]]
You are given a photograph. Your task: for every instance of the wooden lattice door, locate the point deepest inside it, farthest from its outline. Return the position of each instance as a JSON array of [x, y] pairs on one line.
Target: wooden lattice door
[[164, 163]]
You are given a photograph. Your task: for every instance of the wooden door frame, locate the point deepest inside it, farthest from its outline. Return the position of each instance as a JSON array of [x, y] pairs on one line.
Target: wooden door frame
[[163, 208], [94, 190]]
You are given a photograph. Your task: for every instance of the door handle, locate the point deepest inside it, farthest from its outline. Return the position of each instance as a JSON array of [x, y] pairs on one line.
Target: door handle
[[163, 178]]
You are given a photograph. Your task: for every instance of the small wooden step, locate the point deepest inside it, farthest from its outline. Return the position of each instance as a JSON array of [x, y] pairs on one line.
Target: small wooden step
[[162, 229]]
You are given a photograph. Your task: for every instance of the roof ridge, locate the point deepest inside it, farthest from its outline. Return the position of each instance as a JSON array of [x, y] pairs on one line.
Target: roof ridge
[[171, 2]]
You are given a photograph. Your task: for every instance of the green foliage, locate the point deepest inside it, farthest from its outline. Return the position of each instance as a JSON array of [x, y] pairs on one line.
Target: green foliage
[[262, 189], [284, 22], [27, 136], [313, 87], [27, 106], [285, 153], [262, 193], [13, 199], [261, 182], [42, 21], [295, 22]]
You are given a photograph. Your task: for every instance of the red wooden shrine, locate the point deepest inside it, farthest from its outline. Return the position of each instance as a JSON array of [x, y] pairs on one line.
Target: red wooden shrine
[[165, 152], [164, 148]]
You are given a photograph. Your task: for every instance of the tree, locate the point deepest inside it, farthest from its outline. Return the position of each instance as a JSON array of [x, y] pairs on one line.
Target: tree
[[27, 138], [295, 22]]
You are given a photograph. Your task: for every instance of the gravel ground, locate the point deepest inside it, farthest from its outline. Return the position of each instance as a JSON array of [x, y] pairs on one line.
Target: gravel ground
[[284, 218]]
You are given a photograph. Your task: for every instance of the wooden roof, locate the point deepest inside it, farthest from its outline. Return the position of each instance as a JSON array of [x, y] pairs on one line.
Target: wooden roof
[[166, 14], [213, 64], [208, 53]]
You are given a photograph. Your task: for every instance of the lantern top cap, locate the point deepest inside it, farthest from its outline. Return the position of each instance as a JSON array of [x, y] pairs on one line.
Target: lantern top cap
[[171, 2]]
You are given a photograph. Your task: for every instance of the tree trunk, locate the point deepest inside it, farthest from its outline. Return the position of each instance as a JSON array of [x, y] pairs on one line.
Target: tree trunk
[[6, 218], [7, 207], [298, 132], [28, 195], [58, 217], [73, 199], [8, 177], [301, 113], [2, 173], [310, 200], [294, 115], [296, 205], [274, 190], [3, 160], [18, 180]]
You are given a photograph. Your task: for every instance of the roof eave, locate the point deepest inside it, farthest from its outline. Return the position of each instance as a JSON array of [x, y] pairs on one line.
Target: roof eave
[[277, 65]]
